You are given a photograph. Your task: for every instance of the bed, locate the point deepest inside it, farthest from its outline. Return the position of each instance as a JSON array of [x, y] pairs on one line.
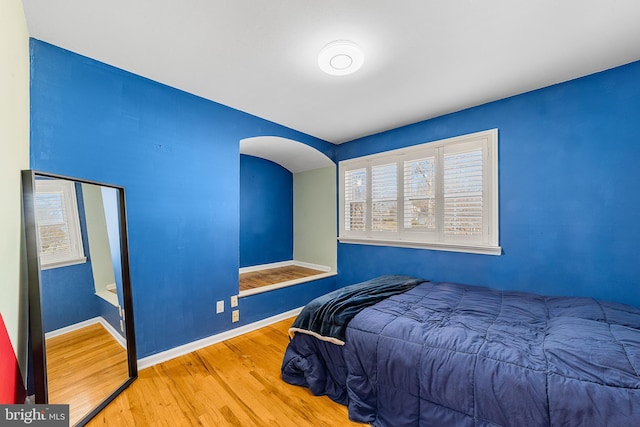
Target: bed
[[423, 353]]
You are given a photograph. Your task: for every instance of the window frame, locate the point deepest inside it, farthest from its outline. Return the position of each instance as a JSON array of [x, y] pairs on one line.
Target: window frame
[[486, 243], [76, 253]]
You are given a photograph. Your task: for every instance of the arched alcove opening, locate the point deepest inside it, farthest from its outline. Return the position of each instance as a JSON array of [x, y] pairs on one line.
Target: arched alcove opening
[[287, 213]]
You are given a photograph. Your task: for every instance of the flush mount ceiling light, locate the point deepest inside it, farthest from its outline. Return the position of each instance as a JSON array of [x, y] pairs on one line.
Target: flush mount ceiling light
[[340, 58]]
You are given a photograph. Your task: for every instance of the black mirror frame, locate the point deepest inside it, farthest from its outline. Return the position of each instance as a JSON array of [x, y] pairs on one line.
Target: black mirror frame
[[36, 330]]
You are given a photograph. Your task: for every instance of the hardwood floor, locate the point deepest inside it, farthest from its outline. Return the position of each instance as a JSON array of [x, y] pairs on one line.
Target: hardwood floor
[[84, 367], [271, 276], [233, 383]]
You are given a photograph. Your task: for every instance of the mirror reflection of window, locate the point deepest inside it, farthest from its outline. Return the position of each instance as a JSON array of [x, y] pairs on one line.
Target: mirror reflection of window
[[58, 223]]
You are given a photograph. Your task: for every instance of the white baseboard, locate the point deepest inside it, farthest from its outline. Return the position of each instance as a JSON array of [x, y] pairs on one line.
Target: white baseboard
[[312, 266], [86, 323], [121, 340], [265, 266], [71, 328], [154, 359]]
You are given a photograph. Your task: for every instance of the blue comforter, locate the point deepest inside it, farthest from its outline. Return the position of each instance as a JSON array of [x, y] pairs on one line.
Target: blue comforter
[[327, 316], [445, 354]]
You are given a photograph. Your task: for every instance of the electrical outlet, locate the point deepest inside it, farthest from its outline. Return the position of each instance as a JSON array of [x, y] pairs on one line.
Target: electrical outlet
[[234, 301], [219, 307], [121, 326], [235, 315]]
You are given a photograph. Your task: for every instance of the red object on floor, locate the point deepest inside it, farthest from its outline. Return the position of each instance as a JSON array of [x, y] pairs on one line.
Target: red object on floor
[[11, 384]]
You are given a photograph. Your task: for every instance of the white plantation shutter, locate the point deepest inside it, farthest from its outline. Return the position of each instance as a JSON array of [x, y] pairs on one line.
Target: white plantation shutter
[[384, 197], [58, 224], [420, 194], [463, 187], [355, 199], [439, 195], [52, 223]]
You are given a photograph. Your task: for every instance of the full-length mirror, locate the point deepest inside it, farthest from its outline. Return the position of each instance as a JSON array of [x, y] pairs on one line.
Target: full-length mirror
[[80, 311]]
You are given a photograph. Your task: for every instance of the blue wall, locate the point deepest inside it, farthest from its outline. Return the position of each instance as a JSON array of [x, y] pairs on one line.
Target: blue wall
[[569, 202], [177, 155], [266, 212]]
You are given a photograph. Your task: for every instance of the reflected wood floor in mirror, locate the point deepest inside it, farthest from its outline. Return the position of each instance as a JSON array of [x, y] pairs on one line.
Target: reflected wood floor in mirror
[[83, 367], [271, 276], [233, 383]]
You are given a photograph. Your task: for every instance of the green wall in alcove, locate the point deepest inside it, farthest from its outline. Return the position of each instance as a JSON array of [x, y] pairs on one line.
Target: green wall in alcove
[[314, 218]]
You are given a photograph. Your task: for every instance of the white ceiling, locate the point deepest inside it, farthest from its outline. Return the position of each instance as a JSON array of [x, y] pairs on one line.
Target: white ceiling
[[292, 155], [424, 58]]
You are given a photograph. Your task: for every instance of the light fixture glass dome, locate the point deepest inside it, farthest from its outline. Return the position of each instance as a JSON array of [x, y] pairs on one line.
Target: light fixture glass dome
[[340, 58]]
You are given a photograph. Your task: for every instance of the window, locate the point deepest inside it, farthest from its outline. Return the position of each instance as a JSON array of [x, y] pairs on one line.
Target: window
[[58, 223], [440, 195]]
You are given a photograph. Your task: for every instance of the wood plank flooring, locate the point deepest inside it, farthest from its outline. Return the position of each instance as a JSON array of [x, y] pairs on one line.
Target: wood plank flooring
[[271, 276], [233, 383], [84, 367]]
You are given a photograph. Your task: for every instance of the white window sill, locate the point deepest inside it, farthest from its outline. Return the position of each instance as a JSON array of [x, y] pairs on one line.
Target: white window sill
[[65, 263], [109, 297], [285, 284], [449, 247]]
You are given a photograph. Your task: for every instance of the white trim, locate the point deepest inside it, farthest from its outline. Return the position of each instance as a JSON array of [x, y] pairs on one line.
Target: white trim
[[164, 356], [265, 266], [71, 328], [262, 289], [284, 264], [66, 263], [71, 218], [486, 243], [473, 249], [312, 266], [119, 338]]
